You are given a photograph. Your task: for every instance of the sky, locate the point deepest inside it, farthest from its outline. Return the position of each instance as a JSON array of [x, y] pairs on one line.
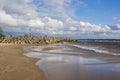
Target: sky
[[86, 19]]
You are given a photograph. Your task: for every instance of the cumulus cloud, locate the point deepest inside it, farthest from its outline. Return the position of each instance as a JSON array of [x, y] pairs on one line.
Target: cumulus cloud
[[36, 23], [7, 19], [88, 27], [47, 16]]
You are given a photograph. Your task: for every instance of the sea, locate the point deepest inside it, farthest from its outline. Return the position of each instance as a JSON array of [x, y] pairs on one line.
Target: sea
[[105, 46], [86, 59]]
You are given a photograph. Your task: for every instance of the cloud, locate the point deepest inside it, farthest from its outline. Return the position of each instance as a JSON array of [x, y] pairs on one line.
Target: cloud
[[117, 19], [7, 19], [49, 17], [36, 23], [118, 26], [52, 24], [73, 28], [88, 27]]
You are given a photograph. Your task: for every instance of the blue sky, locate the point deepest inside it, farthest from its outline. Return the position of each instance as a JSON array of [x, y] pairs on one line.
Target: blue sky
[[98, 11], [70, 18]]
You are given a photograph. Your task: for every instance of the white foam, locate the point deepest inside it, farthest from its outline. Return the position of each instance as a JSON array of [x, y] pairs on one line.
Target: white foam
[[95, 49], [60, 49], [38, 55], [45, 57], [65, 56]]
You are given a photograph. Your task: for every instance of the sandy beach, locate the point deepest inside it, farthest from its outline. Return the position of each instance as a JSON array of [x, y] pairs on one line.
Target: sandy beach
[[15, 66], [56, 62]]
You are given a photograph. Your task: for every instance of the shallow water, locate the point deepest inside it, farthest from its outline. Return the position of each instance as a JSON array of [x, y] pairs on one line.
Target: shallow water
[[58, 66]]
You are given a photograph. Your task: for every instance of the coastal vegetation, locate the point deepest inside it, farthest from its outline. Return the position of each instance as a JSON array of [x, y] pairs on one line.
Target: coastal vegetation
[[1, 33], [33, 40]]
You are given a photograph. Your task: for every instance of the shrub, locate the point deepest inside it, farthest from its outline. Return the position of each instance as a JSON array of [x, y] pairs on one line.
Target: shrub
[[1, 33], [26, 35], [11, 35], [2, 36]]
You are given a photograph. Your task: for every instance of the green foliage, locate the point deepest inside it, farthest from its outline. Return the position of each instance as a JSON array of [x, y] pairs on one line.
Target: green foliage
[[11, 35], [26, 35], [1, 33], [2, 36]]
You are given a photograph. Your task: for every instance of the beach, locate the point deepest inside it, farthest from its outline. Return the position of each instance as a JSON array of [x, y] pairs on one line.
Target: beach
[[15, 66], [59, 39], [59, 61]]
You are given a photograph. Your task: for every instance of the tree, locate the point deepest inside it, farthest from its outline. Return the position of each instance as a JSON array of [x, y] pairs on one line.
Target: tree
[[11, 35], [2, 36], [26, 35], [1, 33]]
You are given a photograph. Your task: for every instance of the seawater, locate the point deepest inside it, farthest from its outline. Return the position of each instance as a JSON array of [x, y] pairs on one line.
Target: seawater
[[62, 63], [111, 47]]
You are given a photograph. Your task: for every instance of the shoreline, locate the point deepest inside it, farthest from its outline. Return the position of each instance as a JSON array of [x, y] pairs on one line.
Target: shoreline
[[90, 65], [58, 59], [15, 66]]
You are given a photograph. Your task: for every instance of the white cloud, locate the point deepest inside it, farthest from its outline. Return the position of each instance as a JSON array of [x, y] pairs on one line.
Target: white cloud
[[117, 19], [36, 23], [91, 28], [118, 26], [47, 16], [7, 19], [86, 27], [73, 28], [52, 24]]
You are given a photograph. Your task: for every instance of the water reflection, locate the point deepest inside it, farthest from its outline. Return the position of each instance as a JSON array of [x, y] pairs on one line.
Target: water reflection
[[71, 67], [107, 68], [71, 59]]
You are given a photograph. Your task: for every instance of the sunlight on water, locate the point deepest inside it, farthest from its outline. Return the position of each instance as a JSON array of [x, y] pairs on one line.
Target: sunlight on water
[[70, 59]]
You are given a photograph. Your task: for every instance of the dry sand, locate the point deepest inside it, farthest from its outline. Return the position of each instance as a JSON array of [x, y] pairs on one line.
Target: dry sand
[[15, 66]]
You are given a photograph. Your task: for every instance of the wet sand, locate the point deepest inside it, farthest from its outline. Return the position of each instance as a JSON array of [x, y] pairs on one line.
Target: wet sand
[[64, 71], [59, 62], [15, 66]]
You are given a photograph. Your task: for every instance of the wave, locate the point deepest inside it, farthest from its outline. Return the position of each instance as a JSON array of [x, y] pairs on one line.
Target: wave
[[96, 49], [36, 52]]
